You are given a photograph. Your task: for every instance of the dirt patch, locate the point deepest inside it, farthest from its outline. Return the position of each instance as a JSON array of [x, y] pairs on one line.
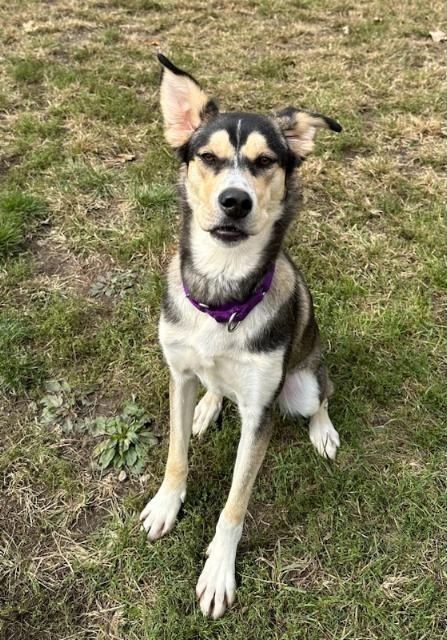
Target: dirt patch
[[59, 269], [7, 162]]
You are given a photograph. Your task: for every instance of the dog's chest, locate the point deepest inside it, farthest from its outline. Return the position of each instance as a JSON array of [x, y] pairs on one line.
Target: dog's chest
[[203, 347], [219, 358]]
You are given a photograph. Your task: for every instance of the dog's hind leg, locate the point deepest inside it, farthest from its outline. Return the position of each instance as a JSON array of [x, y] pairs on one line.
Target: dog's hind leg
[[301, 394], [322, 432], [206, 411]]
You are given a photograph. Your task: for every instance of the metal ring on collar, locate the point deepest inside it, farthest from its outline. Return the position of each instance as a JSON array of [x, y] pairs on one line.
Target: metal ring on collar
[[232, 324]]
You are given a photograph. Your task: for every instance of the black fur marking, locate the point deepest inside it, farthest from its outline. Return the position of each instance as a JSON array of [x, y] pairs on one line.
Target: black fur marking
[[210, 110], [322, 379], [288, 112], [310, 335], [265, 425], [332, 124], [169, 309], [183, 152], [292, 200], [279, 330], [166, 63]]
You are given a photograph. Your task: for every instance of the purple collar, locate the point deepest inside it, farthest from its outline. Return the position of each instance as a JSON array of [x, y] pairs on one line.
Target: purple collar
[[232, 313]]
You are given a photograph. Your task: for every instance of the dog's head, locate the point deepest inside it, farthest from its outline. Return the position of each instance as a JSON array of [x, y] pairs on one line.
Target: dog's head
[[237, 164]]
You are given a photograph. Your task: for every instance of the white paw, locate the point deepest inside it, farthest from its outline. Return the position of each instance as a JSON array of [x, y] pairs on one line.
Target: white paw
[[216, 587], [158, 516], [324, 436], [206, 411]]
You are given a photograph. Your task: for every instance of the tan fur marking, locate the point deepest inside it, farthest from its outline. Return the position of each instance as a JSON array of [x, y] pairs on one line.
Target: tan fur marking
[[235, 513], [180, 410], [204, 184], [219, 144], [203, 187], [268, 185], [255, 145], [175, 476], [248, 462], [283, 283]]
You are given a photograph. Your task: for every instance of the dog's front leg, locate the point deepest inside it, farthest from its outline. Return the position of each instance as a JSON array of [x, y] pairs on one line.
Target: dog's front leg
[[160, 513], [216, 586]]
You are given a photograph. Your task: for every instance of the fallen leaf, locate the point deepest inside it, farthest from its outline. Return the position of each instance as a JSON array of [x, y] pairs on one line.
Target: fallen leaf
[[438, 36], [122, 476], [125, 157], [121, 158], [29, 26]]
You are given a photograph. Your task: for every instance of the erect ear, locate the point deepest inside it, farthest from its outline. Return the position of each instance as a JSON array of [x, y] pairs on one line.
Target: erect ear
[[183, 103], [299, 128]]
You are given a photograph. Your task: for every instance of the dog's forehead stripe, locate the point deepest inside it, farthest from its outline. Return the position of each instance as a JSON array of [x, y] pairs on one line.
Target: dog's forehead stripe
[[238, 143], [238, 134]]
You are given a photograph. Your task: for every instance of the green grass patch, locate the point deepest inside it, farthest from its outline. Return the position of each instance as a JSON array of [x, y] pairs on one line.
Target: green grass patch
[[20, 365], [27, 71], [154, 198], [111, 103], [16, 209]]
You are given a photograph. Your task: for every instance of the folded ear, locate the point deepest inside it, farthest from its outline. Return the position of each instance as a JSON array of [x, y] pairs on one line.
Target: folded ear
[[183, 103], [299, 128]]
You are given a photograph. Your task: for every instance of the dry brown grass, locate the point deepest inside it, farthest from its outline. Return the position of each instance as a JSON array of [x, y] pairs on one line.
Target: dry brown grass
[[346, 552]]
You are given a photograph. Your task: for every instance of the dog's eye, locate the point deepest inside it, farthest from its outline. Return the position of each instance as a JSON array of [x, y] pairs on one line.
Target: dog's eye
[[265, 161], [208, 158]]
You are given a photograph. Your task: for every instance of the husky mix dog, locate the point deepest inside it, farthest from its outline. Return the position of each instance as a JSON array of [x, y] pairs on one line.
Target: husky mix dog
[[237, 315]]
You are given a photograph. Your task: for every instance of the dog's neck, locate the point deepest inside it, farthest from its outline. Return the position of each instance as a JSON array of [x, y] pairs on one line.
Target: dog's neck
[[215, 274]]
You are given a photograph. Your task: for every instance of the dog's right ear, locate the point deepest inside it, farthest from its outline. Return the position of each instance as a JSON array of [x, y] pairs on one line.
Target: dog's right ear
[[184, 104]]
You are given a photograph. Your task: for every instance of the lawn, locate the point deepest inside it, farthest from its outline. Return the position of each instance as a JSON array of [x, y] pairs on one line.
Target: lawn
[[350, 550]]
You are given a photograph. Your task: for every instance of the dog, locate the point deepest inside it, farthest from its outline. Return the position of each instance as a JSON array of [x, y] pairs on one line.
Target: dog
[[237, 314]]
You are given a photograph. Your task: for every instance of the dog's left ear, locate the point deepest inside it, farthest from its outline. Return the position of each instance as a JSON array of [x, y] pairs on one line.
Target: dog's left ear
[[299, 127], [184, 104]]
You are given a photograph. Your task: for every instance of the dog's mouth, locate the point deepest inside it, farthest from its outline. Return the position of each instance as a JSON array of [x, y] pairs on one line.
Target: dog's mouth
[[228, 233]]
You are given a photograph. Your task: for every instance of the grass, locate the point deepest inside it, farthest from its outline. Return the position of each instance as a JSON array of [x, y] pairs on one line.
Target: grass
[[16, 209], [87, 225]]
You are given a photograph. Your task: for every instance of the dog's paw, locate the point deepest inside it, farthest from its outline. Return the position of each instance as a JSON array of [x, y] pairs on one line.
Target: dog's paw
[[216, 587], [206, 411], [159, 515], [324, 436]]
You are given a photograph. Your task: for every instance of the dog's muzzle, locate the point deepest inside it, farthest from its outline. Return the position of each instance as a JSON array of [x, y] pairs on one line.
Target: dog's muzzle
[[235, 204]]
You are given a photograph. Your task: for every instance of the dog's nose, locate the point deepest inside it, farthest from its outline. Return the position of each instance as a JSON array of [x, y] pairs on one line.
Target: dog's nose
[[235, 203]]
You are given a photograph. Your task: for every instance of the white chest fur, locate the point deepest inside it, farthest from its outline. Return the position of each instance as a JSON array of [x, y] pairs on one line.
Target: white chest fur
[[220, 359]]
